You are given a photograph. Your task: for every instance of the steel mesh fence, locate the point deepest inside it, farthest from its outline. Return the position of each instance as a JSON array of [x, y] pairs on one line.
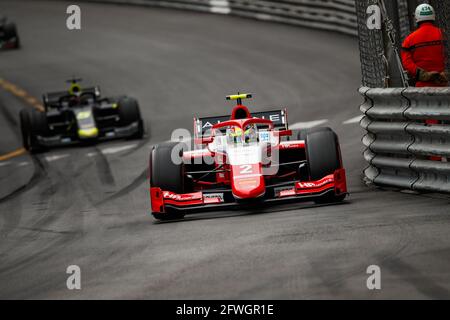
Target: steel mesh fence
[[404, 19], [442, 8], [373, 44], [371, 48]]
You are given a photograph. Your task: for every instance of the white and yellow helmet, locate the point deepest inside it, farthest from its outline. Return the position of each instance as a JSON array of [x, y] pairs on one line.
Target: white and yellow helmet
[[425, 12]]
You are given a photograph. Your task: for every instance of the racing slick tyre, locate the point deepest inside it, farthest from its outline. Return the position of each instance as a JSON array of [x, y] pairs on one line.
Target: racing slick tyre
[[32, 124], [167, 174], [11, 32], [323, 156], [301, 134], [129, 113]]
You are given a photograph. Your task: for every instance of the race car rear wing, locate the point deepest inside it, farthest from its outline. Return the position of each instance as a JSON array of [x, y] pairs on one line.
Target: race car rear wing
[[203, 125]]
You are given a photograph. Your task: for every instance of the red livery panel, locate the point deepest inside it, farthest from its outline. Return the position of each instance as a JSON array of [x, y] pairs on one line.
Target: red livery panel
[[333, 183]]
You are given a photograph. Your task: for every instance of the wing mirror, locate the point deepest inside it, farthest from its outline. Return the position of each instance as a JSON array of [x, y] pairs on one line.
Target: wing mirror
[[284, 133], [204, 140]]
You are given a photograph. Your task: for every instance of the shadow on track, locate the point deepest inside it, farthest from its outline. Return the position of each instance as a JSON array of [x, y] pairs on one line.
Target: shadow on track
[[256, 211]]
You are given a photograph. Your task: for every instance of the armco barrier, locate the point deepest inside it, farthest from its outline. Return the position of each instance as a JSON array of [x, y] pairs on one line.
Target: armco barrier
[[400, 146], [335, 15]]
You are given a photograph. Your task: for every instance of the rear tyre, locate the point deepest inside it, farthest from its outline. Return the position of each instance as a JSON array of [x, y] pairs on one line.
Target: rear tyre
[[301, 134], [129, 113], [32, 124], [323, 156], [11, 32], [17, 44], [167, 173]]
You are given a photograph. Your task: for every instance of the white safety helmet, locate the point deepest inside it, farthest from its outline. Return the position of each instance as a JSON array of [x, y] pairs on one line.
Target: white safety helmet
[[425, 12]]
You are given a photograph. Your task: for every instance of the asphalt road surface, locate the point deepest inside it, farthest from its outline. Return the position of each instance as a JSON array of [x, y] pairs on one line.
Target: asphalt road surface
[[89, 206]]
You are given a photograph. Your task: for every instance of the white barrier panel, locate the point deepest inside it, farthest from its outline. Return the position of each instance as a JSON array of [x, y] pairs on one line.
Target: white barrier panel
[[332, 15]]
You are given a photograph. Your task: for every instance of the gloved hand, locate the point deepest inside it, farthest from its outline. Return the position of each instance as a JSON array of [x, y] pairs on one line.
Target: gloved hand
[[426, 76], [443, 77]]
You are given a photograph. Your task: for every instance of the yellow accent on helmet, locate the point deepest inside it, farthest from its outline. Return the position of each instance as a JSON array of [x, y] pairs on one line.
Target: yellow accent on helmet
[[74, 88], [236, 132]]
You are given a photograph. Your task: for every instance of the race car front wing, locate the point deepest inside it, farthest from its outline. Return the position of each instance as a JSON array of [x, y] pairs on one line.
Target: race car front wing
[[8, 44], [105, 134], [334, 184]]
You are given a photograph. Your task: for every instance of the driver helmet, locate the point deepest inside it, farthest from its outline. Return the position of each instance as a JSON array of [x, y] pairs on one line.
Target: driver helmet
[[250, 134], [235, 134], [75, 90]]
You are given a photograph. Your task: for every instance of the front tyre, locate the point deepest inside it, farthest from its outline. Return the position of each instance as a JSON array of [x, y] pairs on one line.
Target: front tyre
[[25, 128], [32, 124], [166, 172], [323, 156]]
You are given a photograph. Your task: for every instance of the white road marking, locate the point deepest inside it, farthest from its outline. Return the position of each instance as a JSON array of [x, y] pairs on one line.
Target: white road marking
[[307, 125], [113, 150], [4, 163], [262, 16], [219, 6], [23, 163], [356, 119], [56, 157]]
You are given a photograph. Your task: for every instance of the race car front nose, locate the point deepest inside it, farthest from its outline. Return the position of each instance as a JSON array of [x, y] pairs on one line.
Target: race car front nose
[[249, 185], [239, 196]]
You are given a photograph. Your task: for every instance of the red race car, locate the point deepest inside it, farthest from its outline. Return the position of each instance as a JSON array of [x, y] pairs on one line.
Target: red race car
[[245, 159]]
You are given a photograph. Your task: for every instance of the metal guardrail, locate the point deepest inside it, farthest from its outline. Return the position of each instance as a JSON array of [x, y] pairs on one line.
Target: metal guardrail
[[333, 15], [400, 145]]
